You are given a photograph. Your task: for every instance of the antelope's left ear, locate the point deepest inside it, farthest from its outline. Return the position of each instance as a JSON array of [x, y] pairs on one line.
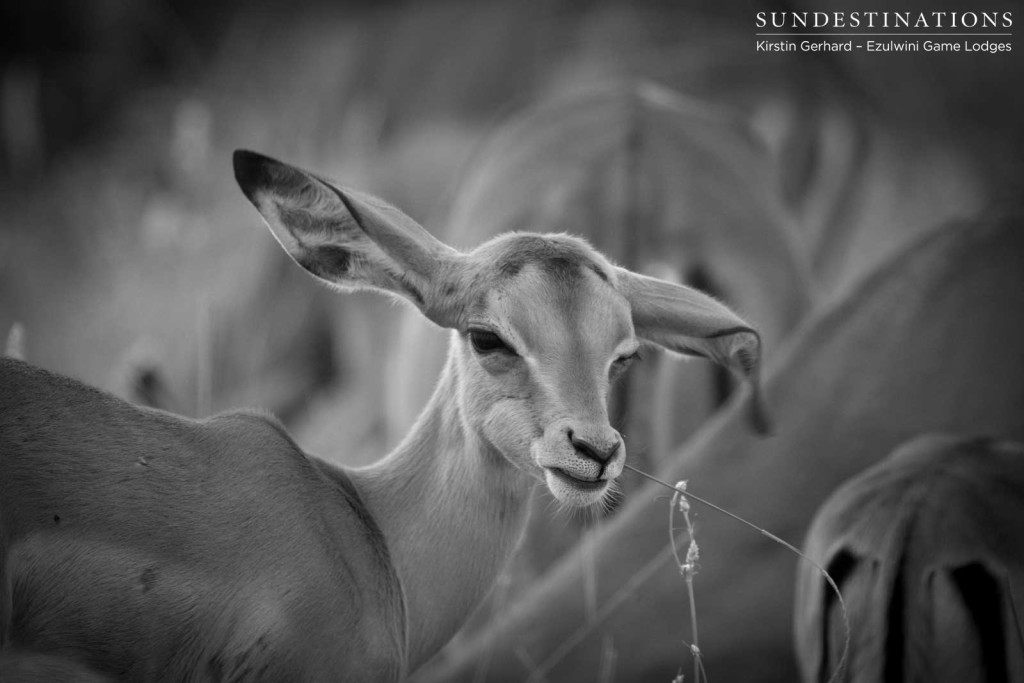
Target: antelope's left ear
[[350, 239], [687, 321]]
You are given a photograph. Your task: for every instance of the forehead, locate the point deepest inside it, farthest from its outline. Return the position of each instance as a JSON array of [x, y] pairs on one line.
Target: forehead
[[546, 286], [557, 257]]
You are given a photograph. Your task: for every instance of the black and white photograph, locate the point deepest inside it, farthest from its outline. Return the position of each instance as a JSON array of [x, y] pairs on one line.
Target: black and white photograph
[[480, 341]]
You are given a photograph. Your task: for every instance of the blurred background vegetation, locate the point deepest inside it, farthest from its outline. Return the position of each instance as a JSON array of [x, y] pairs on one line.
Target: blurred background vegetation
[[776, 180], [125, 243]]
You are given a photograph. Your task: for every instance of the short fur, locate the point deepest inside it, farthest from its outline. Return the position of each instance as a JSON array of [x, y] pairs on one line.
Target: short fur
[[125, 529]]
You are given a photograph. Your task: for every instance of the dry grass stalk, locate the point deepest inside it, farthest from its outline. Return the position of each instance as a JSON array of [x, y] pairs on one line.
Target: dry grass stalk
[[679, 493]]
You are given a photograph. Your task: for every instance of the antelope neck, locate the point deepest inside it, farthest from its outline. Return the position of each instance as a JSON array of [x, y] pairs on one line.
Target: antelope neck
[[452, 511]]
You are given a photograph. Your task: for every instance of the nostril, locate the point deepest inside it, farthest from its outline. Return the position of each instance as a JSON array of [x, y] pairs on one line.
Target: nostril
[[591, 451]]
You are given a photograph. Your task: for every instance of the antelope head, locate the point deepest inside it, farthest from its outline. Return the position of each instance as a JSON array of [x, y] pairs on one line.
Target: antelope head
[[542, 324]]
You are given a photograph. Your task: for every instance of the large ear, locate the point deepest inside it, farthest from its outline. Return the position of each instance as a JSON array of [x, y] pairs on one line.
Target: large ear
[[348, 238], [687, 321]]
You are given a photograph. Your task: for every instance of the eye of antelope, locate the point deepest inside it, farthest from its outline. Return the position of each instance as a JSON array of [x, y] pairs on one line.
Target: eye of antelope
[[487, 342], [625, 360], [620, 364]]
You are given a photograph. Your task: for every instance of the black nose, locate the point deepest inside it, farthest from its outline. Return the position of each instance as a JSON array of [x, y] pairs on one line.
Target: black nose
[[592, 451]]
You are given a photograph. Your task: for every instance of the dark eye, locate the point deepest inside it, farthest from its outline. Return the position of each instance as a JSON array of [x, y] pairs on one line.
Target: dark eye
[[623, 361], [485, 341], [620, 364]]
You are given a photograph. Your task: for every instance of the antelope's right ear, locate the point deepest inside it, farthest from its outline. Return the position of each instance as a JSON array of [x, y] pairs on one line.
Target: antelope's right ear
[[687, 321], [350, 239]]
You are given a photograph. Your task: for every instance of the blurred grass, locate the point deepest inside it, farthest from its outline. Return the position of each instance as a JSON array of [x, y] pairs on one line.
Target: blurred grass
[[124, 239]]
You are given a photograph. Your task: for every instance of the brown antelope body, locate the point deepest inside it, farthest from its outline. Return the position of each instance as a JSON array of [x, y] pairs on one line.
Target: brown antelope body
[[146, 546], [927, 548]]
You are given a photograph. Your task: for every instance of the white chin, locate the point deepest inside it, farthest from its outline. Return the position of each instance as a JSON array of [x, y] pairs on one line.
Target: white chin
[[574, 492]]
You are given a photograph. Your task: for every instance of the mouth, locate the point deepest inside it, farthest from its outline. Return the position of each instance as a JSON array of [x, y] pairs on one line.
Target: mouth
[[576, 482]]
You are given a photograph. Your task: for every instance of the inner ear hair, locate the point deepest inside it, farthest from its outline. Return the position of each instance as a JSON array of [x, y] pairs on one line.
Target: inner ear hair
[[348, 238]]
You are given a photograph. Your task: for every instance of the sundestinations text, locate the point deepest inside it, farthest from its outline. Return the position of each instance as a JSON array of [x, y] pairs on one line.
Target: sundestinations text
[[885, 19]]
